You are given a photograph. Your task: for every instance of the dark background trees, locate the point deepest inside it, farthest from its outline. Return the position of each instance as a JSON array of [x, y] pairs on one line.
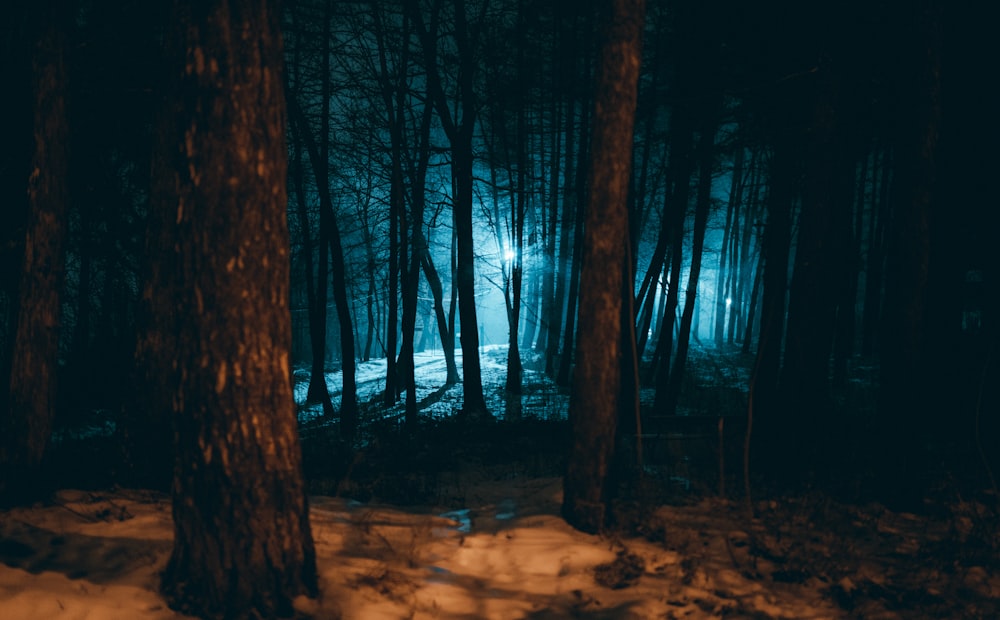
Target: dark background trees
[[810, 191]]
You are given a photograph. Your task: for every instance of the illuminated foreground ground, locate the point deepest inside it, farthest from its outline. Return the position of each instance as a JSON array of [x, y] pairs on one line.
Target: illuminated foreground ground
[[97, 556]]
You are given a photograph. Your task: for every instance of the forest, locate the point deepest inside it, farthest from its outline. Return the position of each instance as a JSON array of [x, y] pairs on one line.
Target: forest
[[258, 257]]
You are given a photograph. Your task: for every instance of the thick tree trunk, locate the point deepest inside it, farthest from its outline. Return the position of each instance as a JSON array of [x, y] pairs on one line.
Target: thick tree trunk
[[820, 261], [594, 407], [242, 541], [907, 376], [26, 420]]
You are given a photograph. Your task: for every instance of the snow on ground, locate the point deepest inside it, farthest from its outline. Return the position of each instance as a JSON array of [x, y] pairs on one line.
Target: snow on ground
[[97, 556], [503, 552], [541, 399]]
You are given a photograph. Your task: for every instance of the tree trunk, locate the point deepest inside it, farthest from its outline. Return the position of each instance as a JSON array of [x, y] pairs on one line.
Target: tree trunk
[[26, 421], [820, 261], [570, 329], [594, 406], [565, 253], [242, 541], [775, 253], [349, 391], [681, 167], [316, 298], [706, 156], [348, 359], [445, 325], [904, 412], [848, 297], [875, 265], [721, 290], [459, 130]]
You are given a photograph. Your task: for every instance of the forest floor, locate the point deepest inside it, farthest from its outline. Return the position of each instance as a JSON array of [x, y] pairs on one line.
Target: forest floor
[[461, 520]]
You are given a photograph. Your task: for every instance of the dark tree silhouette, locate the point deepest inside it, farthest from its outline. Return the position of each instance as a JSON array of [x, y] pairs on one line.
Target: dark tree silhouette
[[242, 541], [459, 127], [26, 420], [906, 379], [594, 406]]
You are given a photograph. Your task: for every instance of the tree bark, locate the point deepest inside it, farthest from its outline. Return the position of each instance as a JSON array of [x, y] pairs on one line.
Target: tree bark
[[26, 420], [594, 406], [242, 541]]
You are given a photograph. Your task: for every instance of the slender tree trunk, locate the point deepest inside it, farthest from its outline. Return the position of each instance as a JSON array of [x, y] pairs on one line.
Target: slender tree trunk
[[26, 420], [242, 541], [315, 292], [570, 330], [775, 254], [517, 215], [748, 266], [566, 248], [594, 407], [847, 308], [392, 321], [752, 306], [459, 130], [727, 235], [681, 167], [875, 265], [349, 392], [444, 322], [549, 271], [706, 156]]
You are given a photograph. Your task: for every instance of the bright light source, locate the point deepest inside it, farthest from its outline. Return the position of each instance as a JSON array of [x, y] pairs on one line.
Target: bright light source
[[508, 255], [729, 301]]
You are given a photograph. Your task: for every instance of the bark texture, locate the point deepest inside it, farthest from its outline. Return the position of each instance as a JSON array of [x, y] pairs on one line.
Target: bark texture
[[594, 405], [27, 425], [243, 545]]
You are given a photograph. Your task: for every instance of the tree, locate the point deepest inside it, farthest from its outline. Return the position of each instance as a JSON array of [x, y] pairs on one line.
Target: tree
[[706, 157], [242, 542], [594, 405], [903, 425], [330, 234], [459, 128], [26, 420]]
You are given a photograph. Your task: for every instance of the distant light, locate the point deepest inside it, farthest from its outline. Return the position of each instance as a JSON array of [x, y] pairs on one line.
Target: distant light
[[508, 254], [729, 301]]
